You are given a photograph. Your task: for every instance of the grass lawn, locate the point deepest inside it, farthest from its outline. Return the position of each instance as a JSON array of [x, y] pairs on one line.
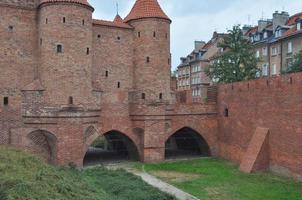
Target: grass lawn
[[212, 179], [23, 177]]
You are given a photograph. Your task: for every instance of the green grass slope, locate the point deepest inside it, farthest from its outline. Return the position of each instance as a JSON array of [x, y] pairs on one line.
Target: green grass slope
[[24, 177]]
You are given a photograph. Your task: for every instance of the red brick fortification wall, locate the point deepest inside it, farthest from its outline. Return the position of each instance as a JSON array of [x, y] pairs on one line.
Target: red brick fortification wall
[[152, 67], [18, 55], [274, 103], [66, 73]]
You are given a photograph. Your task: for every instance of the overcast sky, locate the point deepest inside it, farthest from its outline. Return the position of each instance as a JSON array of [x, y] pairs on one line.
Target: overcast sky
[[198, 19]]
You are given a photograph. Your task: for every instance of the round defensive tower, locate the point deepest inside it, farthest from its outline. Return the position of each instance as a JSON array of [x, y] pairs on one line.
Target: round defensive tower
[[152, 57], [65, 44]]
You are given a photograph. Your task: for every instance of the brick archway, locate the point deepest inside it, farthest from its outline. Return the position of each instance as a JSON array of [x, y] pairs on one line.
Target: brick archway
[[184, 142], [118, 146], [43, 144]]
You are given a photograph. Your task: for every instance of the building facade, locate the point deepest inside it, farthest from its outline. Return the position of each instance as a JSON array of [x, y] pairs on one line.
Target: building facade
[[191, 71], [276, 41]]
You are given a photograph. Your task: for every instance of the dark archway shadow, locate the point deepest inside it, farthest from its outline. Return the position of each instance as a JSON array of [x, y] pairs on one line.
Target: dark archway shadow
[[112, 147], [186, 143], [43, 144]]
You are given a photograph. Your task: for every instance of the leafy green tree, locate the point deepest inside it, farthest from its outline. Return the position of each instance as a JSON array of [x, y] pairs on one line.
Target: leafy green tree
[[296, 66], [237, 63]]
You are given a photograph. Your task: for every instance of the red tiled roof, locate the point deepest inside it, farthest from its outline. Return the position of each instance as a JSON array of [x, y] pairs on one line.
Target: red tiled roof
[[252, 30], [207, 45], [83, 2], [146, 9], [292, 31], [117, 22], [292, 19]]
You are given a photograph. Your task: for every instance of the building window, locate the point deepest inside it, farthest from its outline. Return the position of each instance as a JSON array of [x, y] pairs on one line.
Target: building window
[[118, 85], [148, 59], [264, 51], [161, 96], [274, 69], [143, 96], [265, 35], [274, 51], [289, 47], [257, 54], [106, 73], [299, 26], [139, 34], [5, 101], [46, 21], [169, 61], [59, 48], [83, 22], [154, 34], [10, 28], [41, 41], [265, 69], [70, 100], [99, 36], [87, 51], [166, 35], [64, 19], [118, 38], [226, 112]]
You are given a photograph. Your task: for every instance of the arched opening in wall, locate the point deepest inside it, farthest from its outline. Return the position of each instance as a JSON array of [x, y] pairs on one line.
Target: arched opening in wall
[[43, 144], [112, 147], [186, 142]]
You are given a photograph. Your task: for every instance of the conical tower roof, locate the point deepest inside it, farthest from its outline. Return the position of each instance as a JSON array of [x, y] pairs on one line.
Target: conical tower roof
[[146, 9]]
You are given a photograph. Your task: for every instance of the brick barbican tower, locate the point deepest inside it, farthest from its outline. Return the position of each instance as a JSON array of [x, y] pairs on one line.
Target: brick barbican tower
[[152, 60], [68, 79]]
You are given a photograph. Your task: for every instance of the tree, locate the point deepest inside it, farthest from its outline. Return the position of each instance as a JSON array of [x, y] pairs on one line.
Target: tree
[[237, 63], [296, 66]]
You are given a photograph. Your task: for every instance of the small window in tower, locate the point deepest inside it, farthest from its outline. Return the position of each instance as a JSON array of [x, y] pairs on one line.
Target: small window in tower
[[166, 35], [169, 61], [148, 59], [226, 112], [87, 51], [161, 96], [70, 100], [10, 28], [5, 101], [154, 34], [64, 19], [118, 38], [118, 85], [143, 96], [139, 34], [83, 22], [99, 36], [59, 48], [106, 73], [41, 41], [46, 21]]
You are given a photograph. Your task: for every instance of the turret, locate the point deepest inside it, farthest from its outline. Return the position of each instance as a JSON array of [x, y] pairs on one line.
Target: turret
[[65, 44], [152, 60]]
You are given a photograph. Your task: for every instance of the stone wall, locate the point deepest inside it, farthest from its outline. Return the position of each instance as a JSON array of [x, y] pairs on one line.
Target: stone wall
[[274, 103]]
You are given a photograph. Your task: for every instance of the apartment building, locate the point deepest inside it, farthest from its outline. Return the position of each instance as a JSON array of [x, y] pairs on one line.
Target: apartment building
[[191, 72], [276, 41]]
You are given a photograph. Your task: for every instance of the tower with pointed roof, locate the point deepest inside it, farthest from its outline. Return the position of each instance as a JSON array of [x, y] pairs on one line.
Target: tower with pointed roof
[[152, 63]]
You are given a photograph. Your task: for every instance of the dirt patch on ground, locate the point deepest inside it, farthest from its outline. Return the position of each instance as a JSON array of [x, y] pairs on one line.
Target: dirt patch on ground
[[175, 177]]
